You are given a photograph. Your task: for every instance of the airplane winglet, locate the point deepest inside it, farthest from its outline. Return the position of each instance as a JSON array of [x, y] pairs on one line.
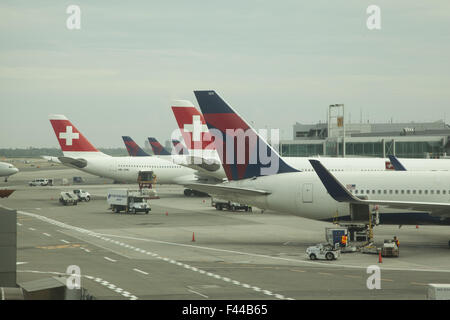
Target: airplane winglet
[[396, 163], [336, 190]]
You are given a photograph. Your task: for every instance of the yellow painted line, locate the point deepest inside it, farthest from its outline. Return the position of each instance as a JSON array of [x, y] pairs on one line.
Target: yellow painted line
[[418, 283], [62, 246], [298, 270], [349, 276], [390, 280], [326, 274]]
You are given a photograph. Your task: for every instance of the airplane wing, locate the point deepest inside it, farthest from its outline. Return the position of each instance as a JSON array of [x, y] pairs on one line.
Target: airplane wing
[[339, 193], [221, 190], [77, 163]]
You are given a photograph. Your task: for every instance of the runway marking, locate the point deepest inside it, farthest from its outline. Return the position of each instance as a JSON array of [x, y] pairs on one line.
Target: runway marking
[[104, 237], [297, 270], [46, 234], [325, 273], [19, 224], [316, 263], [204, 296], [140, 271], [418, 283], [61, 246], [32, 229], [98, 280], [109, 259], [65, 241], [351, 276], [389, 280], [19, 263]]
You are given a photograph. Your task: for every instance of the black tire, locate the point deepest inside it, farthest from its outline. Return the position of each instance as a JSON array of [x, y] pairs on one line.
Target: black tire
[[233, 208], [329, 256], [146, 211], [187, 192], [219, 207], [75, 203], [88, 199], [312, 256]]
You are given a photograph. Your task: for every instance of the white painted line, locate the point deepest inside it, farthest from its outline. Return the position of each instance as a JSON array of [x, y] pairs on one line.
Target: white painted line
[[32, 229], [65, 241], [109, 259], [140, 271], [46, 234], [18, 263], [19, 224], [204, 296], [125, 293]]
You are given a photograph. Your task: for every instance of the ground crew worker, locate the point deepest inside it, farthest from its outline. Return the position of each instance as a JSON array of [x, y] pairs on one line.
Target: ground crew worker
[[344, 241], [397, 242]]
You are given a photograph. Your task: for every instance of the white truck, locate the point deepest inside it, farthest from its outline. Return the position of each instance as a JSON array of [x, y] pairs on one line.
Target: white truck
[[128, 200], [323, 251], [82, 195]]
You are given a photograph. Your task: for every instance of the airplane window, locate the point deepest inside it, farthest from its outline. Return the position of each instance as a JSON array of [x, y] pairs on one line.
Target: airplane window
[[385, 191], [420, 191], [414, 191], [373, 191], [432, 191], [408, 191], [390, 191], [379, 191], [396, 191], [438, 191], [403, 191], [426, 191], [443, 191]]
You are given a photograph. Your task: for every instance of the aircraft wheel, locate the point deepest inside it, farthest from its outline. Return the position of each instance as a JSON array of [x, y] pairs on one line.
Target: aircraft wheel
[[312, 256]]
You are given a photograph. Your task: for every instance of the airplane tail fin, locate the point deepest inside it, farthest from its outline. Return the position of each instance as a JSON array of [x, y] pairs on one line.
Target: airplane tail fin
[[194, 130], [244, 153], [180, 149], [398, 166], [72, 142], [157, 148], [133, 148]]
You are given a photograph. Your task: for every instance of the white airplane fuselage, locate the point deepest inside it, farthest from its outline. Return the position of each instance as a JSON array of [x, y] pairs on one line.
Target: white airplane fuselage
[[303, 194], [7, 169], [126, 169]]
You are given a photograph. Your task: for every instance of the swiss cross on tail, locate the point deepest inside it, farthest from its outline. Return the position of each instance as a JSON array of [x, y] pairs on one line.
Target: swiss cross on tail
[[192, 126], [69, 138]]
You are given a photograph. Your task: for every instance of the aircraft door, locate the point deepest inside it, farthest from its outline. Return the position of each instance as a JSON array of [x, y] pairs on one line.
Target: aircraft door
[[307, 193]]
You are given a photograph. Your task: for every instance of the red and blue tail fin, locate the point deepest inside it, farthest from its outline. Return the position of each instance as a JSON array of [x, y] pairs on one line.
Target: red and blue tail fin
[[133, 148], [157, 148], [180, 149], [244, 153]]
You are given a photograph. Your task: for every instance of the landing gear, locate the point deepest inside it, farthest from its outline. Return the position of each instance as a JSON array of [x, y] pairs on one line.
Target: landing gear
[[6, 179]]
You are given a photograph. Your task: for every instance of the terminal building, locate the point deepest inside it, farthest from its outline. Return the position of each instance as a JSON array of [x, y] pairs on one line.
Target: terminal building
[[404, 140]]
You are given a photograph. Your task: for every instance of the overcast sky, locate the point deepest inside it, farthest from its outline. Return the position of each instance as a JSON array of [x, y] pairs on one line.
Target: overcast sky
[[275, 62]]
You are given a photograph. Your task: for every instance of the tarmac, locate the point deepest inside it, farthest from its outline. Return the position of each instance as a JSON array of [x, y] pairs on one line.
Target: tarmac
[[236, 255]]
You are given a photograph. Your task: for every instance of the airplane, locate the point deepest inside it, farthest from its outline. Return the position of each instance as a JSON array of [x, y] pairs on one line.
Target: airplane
[[260, 177], [133, 148], [179, 148], [79, 153], [199, 143], [7, 169], [158, 149]]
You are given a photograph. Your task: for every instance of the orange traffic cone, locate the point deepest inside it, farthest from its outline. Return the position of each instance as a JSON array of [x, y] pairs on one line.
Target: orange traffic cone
[[380, 259], [417, 226], [167, 213], [193, 237]]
